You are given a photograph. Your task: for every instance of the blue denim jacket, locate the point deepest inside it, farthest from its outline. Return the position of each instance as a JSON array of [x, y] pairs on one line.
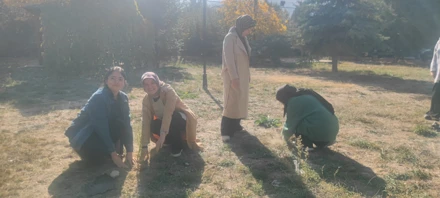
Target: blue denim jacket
[[94, 117]]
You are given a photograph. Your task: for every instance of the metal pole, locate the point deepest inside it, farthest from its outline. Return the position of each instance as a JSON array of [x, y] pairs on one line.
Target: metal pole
[[255, 8], [255, 15], [205, 80]]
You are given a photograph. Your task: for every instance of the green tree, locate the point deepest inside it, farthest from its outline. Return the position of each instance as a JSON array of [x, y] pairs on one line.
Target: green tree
[[163, 16], [85, 36], [191, 29], [268, 19], [4, 14], [340, 27], [416, 25]]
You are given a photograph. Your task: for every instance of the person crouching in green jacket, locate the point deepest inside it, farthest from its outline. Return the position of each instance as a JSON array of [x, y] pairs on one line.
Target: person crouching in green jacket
[[309, 116]]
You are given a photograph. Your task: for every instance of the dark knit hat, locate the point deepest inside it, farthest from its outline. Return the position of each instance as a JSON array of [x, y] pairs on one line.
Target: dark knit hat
[[244, 22]]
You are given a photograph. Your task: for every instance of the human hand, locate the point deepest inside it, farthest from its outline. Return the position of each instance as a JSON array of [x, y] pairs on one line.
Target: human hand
[[236, 84], [118, 160], [160, 142], [129, 158], [433, 73], [145, 155]]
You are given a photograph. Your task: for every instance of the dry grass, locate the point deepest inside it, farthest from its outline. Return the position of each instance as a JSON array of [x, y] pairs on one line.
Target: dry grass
[[379, 151]]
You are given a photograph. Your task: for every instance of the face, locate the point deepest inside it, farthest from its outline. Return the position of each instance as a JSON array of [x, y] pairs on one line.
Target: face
[[246, 32], [115, 82], [150, 86]]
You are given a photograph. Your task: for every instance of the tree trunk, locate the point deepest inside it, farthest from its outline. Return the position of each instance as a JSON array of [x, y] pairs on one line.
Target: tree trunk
[[156, 49], [335, 60]]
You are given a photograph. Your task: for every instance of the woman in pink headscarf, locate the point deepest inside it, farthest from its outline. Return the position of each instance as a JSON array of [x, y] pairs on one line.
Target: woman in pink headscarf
[[165, 118]]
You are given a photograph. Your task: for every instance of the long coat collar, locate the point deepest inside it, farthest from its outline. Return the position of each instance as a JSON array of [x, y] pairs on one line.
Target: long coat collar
[[240, 44]]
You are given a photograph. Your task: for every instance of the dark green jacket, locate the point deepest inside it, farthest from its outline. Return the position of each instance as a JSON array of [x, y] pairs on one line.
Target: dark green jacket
[[307, 116]]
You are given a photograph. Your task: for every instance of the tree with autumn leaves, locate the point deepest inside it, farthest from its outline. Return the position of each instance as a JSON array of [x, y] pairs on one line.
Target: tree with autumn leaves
[[268, 19]]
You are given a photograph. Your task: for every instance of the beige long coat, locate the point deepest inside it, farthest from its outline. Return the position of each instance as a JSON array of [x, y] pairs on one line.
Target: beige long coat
[[235, 65], [171, 103]]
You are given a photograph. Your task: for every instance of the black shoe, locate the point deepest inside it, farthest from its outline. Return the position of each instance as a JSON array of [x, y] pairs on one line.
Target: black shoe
[[429, 117], [308, 149]]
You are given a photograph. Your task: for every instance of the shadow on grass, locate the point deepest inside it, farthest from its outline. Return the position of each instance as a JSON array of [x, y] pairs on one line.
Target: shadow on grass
[[342, 170], [267, 168], [33, 91], [167, 176], [219, 104], [392, 61], [80, 180], [36, 91], [369, 78]]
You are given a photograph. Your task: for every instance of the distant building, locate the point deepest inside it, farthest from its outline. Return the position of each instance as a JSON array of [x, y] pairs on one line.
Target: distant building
[[289, 5]]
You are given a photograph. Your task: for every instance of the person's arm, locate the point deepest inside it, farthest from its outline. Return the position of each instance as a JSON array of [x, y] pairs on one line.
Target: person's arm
[[294, 113], [146, 122], [434, 62], [147, 116], [169, 107], [229, 53], [128, 140], [98, 114], [286, 132]]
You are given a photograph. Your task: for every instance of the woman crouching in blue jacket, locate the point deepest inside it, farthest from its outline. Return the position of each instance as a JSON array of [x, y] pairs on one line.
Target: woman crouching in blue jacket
[[103, 125]]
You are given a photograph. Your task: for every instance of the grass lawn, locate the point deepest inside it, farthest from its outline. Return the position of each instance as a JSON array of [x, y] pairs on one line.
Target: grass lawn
[[384, 149]]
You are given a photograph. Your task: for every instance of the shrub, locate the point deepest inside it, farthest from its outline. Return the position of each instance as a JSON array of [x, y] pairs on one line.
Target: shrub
[[267, 122], [84, 35], [273, 47]]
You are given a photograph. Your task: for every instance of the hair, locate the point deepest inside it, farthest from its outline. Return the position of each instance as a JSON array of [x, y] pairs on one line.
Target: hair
[[110, 72], [286, 92]]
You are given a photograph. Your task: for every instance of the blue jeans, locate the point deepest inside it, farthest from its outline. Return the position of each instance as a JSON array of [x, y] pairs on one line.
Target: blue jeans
[[94, 150]]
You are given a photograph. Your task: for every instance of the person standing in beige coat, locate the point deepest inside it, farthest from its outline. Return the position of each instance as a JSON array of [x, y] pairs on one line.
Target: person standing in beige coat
[[236, 76]]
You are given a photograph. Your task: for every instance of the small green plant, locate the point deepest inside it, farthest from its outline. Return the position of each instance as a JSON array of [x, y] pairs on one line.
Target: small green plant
[[9, 82], [187, 95], [268, 122], [413, 174], [365, 145], [226, 163], [421, 174], [401, 176], [394, 186], [424, 131], [385, 155], [405, 155]]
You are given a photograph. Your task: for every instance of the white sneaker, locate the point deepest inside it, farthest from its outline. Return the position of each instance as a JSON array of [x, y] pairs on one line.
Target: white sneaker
[[177, 154], [308, 149], [226, 138]]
